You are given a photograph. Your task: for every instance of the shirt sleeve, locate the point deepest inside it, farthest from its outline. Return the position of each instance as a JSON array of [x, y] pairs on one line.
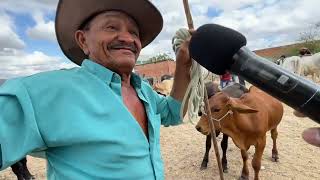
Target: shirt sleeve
[[19, 133], [169, 110]]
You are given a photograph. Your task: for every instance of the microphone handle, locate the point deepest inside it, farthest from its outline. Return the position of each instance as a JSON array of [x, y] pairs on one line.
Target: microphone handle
[[295, 91]]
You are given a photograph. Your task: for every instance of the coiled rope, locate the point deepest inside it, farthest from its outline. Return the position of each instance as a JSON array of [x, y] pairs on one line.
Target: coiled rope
[[196, 87]]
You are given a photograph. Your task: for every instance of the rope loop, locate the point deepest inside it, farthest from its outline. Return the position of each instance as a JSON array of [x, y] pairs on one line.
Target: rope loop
[[196, 87]]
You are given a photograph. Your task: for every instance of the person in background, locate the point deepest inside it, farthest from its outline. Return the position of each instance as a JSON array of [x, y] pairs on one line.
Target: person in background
[[225, 79]]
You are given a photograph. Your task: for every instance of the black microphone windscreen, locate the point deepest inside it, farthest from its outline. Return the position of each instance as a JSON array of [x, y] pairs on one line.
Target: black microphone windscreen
[[213, 47]]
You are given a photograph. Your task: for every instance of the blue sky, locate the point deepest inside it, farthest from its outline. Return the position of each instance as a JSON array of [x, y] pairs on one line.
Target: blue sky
[[24, 21], [28, 44]]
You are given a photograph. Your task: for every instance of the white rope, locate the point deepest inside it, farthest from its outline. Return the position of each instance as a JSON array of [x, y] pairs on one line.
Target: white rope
[[195, 90], [220, 119]]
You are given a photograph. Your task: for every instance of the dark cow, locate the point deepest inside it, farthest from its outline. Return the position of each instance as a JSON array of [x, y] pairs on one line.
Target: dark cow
[[20, 168], [233, 90]]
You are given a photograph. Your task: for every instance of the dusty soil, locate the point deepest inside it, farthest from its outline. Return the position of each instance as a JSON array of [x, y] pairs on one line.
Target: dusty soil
[[183, 148]]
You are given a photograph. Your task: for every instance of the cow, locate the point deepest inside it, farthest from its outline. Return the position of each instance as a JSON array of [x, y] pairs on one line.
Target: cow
[[164, 87], [233, 90], [246, 120], [20, 168], [310, 65], [303, 65], [165, 77], [291, 64]]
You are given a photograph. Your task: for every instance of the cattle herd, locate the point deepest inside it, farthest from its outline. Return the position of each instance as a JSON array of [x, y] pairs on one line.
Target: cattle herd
[[303, 65]]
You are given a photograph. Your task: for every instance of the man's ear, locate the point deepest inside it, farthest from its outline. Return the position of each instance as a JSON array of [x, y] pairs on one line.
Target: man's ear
[[239, 107], [81, 41]]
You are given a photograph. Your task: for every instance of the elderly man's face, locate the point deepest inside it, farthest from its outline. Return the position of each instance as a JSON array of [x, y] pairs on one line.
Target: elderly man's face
[[111, 39]]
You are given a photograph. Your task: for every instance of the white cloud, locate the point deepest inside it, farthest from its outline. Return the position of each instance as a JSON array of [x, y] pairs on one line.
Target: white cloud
[[265, 23], [8, 37], [18, 63], [42, 30], [29, 6]]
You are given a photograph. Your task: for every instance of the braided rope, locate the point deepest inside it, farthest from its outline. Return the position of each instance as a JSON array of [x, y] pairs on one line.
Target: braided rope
[[195, 90]]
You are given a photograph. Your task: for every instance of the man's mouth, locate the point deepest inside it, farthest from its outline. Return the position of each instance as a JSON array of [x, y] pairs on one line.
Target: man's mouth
[[123, 47]]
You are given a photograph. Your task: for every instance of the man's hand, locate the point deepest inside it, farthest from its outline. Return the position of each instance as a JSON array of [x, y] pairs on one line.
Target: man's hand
[[312, 136], [183, 57], [182, 73]]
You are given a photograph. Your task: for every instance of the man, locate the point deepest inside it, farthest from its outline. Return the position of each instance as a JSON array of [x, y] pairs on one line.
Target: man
[[99, 121], [225, 79]]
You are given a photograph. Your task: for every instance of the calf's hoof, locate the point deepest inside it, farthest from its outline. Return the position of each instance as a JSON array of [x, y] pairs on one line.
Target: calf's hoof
[[203, 167], [243, 177], [275, 159], [225, 168]]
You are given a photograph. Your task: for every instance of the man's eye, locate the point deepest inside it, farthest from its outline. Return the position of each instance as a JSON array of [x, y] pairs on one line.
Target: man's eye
[[111, 28]]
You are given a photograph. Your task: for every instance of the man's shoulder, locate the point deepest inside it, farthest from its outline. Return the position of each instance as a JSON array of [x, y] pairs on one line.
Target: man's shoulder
[[45, 80]]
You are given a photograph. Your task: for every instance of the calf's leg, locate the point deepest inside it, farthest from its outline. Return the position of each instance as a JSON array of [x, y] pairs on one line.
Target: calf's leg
[[205, 160], [274, 135], [245, 170], [224, 147], [256, 161]]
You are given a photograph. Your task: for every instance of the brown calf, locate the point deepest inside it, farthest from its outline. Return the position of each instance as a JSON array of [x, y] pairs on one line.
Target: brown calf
[[246, 120]]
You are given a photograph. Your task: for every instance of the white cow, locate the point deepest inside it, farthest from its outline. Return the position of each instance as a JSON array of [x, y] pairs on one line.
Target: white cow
[[310, 65], [292, 64]]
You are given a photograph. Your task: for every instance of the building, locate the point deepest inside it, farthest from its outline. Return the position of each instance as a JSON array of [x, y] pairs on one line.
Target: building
[[156, 69]]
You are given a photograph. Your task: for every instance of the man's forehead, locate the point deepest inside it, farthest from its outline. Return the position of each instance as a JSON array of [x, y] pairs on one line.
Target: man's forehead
[[117, 14]]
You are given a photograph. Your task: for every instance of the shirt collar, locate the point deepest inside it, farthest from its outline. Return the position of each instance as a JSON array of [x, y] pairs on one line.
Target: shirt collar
[[108, 76]]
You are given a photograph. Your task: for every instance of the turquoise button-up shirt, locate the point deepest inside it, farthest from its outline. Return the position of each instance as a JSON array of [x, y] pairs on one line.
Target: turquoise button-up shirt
[[77, 117]]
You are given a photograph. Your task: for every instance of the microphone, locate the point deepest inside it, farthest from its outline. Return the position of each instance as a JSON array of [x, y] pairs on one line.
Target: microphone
[[220, 49]]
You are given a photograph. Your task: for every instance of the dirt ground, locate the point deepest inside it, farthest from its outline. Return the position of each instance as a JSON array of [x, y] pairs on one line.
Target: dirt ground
[[183, 149]]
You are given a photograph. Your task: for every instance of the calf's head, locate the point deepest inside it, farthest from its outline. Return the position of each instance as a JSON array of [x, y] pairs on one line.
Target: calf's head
[[222, 109]]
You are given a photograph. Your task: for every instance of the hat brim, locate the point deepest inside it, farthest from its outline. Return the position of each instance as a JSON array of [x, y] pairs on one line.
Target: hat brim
[[72, 13]]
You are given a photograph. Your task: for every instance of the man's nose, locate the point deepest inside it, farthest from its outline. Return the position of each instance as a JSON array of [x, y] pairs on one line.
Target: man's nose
[[126, 37]]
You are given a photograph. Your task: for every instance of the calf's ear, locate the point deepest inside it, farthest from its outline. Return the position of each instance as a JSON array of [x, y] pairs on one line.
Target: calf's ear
[[239, 107]]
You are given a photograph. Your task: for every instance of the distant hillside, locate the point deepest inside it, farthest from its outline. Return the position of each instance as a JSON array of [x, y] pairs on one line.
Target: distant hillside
[[288, 50]]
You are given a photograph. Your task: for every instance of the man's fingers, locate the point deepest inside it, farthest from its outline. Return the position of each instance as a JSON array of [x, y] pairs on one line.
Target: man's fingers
[[298, 114], [312, 136], [192, 31]]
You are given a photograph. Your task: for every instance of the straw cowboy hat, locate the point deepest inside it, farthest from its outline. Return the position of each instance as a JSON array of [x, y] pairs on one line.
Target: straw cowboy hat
[[71, 14]]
